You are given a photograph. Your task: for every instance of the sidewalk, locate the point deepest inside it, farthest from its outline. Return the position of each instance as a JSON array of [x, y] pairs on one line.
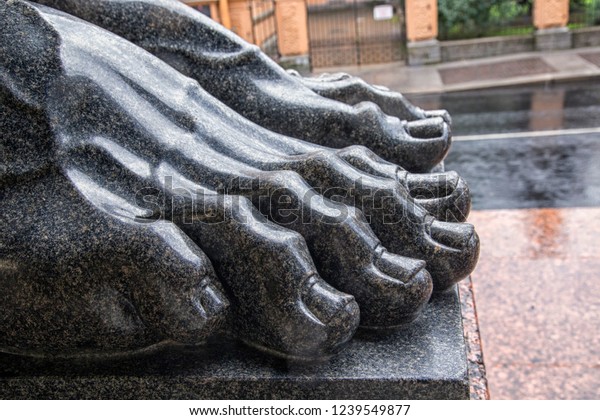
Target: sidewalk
[[506, 70]]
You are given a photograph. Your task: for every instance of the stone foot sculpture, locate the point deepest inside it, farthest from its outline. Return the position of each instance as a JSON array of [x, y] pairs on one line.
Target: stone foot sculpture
[[137, 170], [353, 90], [183, 37], [245, 79]]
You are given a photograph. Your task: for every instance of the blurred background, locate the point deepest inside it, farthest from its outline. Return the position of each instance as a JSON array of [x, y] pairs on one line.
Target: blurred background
[[313, 34], [520, 79]]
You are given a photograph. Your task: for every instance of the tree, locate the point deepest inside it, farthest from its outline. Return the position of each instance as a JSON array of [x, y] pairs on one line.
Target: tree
[[473, 18]]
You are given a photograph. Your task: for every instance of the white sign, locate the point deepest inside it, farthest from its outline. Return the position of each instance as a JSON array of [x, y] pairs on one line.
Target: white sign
[[383, 12]]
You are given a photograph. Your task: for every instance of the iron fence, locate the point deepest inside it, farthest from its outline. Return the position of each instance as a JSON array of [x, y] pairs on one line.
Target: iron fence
[[584, 13], [354, 32]]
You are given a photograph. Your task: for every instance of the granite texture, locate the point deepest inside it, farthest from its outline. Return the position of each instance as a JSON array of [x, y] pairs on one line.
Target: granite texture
[[426, 360], [476, 366], [424, 52], [241, 76], [140, 209], [553, 39], [540, 335]]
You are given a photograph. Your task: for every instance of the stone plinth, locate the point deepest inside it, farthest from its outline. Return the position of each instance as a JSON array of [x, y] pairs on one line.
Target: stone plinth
[[424, 52], [300, 63], [426, 360], [550, 17], [553, 39]]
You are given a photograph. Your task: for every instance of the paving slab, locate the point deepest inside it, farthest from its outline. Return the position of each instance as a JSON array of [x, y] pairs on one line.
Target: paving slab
[[538, 301], [507, 70]]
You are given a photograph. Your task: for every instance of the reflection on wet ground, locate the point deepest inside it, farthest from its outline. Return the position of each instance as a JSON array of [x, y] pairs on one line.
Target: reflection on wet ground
[[574, 105], [536, 207], [549, 171]]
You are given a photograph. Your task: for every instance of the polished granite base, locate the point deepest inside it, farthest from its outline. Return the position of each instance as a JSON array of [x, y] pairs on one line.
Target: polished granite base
[[423, 361], [537, 287]]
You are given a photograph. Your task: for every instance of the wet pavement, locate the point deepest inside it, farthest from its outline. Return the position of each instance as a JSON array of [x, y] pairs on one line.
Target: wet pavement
[[535, 181], [521, 69], [532, 154], [521, 173], [514, 110], [513, 68]]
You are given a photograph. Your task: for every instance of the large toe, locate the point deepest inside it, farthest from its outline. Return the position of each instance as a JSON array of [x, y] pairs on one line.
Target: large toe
[[399, 295], [442, 113], [455, 251], [338, 312], [428, 143], [445, 195]]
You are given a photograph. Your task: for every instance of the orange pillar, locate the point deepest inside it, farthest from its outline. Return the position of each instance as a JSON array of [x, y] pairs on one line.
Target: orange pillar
[[550, 13], [214, 12], [292, 27], [421, 20], [422, 32], [241, 19], [550, 17], [292, 33], [224, 13], [214, 5]]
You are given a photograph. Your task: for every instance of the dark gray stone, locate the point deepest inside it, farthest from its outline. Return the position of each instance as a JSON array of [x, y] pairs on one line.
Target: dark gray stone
[[300, 63], [553, 39], [466, 49], [249, 82], [586, 37], [426, 360], [424, 52], [123, 17], [352, 90], [140, 209]]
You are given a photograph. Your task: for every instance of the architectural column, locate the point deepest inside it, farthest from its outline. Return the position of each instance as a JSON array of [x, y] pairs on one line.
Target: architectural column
[[422, 32], [224, 13], [215, 9], [292, 34], [240, 16], [550, 18]]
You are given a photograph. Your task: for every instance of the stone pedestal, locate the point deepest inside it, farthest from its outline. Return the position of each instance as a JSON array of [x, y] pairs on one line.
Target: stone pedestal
[[553, 39], [301, 63], [550, 18], [422, 31], [425, 360], [424, 52]]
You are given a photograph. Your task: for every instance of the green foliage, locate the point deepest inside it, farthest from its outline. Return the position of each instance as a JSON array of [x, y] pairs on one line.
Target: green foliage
[[474, 18], [584, 12], [459, 19], [582, 3]]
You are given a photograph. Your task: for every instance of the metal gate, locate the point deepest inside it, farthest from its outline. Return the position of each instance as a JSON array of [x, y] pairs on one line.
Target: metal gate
[[355, 32]]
